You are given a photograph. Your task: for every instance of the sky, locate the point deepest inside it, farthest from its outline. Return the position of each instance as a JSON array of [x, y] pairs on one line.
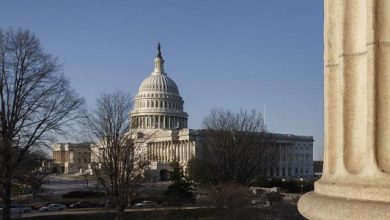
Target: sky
[[236, 55]]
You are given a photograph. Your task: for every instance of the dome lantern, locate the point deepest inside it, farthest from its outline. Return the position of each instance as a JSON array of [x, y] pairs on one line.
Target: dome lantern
[[158, 62]]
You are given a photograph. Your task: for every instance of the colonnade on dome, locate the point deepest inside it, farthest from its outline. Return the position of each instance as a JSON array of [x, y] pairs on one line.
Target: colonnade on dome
[[159, 122]]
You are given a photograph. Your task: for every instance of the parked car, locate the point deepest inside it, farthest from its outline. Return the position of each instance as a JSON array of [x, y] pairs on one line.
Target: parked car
[[80, 204], [27, 209], [19, 209], [260, 203], [52, 207], [144, 204]]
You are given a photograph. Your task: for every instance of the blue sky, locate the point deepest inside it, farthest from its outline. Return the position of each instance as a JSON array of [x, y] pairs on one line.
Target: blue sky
[[231, 54]]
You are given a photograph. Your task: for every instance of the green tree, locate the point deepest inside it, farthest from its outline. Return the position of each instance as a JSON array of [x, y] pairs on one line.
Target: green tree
[[31, 171], [180, 190]]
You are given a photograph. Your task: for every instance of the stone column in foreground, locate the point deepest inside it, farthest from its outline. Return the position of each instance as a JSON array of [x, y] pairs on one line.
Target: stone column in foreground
[[356, 176]]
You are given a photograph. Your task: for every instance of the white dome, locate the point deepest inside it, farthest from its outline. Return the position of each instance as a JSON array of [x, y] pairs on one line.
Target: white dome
[[158, 83]]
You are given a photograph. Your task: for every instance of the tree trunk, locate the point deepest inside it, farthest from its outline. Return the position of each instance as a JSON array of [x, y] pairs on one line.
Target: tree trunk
[[6, 212], [119, 213]]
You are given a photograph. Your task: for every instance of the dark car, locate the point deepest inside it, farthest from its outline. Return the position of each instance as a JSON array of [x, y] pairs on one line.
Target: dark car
[[80, 204]]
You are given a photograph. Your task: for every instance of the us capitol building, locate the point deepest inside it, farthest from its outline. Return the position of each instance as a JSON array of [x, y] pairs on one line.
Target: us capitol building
[[160, 127]]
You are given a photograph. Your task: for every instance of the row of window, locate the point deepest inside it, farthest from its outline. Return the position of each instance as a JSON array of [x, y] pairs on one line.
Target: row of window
[[289, 157], [155, 95], [289, 172], [296, 156], [295, 147], [159, 104], [161, 88]]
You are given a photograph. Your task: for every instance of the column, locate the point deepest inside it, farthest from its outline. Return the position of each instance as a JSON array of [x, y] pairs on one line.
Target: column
[[146, 121], [188, 150], [168, 151], [176, 151], [172, 151], [155, 152], [356, 172], [159, 151], [149, 153], [185, 151], [179, 151], [165, 152], [182, 151], [162, 150]]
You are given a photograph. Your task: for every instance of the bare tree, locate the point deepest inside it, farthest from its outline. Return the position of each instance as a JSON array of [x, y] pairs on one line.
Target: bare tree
[[117, 167], [35, 101], [231, 148]]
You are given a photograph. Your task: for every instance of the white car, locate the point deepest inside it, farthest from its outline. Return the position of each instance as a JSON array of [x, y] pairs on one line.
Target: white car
[[144, 204], [52, 207]]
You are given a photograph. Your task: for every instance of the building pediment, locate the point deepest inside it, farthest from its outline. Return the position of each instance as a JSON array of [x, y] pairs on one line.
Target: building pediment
[[159, 134]]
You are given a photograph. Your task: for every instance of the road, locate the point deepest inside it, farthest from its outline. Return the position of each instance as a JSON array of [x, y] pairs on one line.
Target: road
[[60, 184]]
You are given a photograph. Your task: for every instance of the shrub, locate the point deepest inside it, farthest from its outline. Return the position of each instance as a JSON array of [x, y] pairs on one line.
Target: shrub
[[82, 194]]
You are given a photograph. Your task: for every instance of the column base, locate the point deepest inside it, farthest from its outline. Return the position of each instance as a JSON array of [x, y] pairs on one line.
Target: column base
[[315, 206]]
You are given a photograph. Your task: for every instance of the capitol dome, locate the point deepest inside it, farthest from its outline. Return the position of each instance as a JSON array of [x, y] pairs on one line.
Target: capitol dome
[[158, 104], [158, 82]]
